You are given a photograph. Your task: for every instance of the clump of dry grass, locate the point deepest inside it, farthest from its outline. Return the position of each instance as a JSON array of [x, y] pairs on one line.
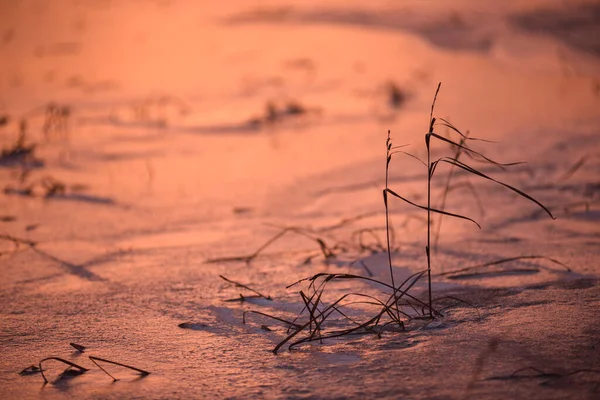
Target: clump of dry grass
[[461, 146], [323, 317]]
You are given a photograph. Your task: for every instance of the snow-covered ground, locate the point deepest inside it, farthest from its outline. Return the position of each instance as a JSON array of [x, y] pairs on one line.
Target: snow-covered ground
[[186, 131]]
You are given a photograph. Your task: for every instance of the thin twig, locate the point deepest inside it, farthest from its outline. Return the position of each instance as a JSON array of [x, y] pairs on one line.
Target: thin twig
[[245, 287], [94, 359], [69, 363]]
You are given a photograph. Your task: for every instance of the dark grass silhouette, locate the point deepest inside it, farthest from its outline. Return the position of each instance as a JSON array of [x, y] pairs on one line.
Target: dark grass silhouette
[[321, 319], [74, 370], [463, 145]]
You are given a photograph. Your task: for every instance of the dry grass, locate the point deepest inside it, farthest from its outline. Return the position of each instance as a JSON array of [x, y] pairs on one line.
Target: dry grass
[[323, 316], [74, 369]]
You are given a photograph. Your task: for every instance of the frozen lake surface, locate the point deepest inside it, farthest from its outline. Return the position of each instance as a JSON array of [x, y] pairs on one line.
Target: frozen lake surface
[[183, 134]]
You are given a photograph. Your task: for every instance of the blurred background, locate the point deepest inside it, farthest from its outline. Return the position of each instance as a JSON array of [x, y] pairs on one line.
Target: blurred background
[[338, 74]]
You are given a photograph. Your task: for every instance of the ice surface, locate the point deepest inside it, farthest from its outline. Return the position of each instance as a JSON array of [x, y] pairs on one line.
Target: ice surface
[[194, 131]]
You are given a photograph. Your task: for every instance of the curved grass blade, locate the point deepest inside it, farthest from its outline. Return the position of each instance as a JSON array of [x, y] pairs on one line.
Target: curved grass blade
[[95, 359], [410, 155], [80, 369], [455, 129], [339, 333], [467, 149], [32, 369], [240, 285], [472, 170], [432, 209]]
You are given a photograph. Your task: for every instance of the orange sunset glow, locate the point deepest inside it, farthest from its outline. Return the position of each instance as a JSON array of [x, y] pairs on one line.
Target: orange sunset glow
[[299, 199]]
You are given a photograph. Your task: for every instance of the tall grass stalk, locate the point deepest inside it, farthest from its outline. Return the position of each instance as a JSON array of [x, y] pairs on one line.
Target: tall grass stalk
[[399, 306], [462, 146]]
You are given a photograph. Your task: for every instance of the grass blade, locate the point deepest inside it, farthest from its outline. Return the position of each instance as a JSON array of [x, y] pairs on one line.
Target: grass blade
[[95, 359], [472, 170], [433, 209]]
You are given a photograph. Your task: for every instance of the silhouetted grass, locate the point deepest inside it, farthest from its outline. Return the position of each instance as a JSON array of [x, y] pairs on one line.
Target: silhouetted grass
[[96, 359], [461, 147], [326, 251], [321, 319], [31, 370], [74, 369], [242, 298], [78, 347], [68, 372]]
